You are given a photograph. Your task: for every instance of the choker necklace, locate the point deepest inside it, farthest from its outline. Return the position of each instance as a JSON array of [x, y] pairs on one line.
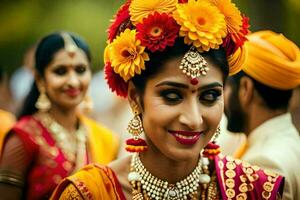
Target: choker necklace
[[147, 186]]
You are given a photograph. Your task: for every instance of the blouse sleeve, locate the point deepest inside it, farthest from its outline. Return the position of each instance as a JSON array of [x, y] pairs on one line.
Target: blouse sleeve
[[14, 163]]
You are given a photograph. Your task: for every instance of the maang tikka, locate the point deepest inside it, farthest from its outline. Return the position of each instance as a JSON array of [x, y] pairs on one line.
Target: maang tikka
[[193, 64], [70, 45], [135, 128]]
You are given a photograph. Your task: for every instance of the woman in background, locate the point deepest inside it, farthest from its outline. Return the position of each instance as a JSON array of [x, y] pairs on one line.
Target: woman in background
[[51, 139]]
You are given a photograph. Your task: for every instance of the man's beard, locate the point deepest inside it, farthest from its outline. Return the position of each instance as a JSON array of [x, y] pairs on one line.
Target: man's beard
[[236, 118]]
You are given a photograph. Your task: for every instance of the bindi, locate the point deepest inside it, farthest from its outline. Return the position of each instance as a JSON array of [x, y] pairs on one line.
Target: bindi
[[194, 81]]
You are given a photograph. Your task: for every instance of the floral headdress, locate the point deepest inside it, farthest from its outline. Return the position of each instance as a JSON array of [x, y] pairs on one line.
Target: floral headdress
[[143, 26]]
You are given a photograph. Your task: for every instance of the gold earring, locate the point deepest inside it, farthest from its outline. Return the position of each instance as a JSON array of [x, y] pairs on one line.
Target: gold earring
[[216, 135], [43, 103], [135, 128], [87, 104]]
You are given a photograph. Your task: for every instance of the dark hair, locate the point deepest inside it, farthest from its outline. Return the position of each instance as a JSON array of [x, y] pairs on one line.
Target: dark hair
[[273, 98], [45, 51], [157, 59]]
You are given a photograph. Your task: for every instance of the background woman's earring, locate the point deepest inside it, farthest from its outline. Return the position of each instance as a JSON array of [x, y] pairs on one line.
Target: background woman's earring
[[87, 104], [43, 103], [135, 128], [212, 149]]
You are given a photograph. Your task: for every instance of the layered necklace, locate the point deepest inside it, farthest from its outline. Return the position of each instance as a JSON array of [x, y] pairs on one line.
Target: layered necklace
[[147, 186], [73, 148]]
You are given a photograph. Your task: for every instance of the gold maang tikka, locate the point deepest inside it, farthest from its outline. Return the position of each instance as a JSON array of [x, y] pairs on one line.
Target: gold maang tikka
[[70, 45], [193, 64]]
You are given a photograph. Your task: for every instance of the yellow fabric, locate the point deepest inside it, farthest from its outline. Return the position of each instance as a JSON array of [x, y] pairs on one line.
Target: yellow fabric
[[241, 150], [273, 60], [92, 181], [103, 143], [236, 60], [7, 121]]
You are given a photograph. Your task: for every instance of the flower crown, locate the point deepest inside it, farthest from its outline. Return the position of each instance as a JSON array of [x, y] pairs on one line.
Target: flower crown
[[142, 26]]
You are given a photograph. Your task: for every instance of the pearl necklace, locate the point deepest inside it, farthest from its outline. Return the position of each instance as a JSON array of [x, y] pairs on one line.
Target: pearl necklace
[[158, 189]]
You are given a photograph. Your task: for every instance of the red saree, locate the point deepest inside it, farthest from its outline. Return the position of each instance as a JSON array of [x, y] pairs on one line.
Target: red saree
[[49, 164]]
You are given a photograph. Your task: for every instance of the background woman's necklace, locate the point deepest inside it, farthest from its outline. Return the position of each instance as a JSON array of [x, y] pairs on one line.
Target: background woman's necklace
[[73, 145], [147, 186]]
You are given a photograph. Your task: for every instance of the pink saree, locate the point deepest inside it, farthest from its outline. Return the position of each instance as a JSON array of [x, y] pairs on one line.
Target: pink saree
[[49, 165]]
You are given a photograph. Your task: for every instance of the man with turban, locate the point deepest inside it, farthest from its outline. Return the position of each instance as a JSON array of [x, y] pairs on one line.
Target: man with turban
[[256, 103]]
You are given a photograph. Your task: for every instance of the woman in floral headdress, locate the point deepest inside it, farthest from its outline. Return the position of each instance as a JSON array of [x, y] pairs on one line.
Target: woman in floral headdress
[[171, 59], [51, 139]]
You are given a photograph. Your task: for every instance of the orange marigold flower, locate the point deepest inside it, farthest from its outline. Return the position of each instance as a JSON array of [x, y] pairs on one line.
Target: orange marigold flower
[[140, 9], [232, 15], [127, 55], [237, 25], [202, 24], [157, 31]]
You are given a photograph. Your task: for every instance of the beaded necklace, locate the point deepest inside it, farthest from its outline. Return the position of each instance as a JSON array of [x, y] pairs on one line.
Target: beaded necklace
[[147, 186]]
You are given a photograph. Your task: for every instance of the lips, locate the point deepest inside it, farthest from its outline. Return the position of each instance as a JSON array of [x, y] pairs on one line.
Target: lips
[[72, 92], [186, 137]]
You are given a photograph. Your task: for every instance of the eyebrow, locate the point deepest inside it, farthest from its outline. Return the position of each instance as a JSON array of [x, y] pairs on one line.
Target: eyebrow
[[184, 86]]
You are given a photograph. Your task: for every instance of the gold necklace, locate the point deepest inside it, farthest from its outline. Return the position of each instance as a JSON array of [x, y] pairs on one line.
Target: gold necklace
[[74, 149], [147, 186]]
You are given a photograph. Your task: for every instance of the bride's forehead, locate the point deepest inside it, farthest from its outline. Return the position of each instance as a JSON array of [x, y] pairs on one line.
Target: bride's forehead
[[171, 70]]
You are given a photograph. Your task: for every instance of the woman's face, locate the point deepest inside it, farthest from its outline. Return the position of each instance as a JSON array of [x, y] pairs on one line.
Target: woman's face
[[67, 78], [179, 118]]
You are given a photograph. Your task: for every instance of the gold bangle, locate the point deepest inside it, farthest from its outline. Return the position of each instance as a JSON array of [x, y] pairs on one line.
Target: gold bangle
[[11, 178]]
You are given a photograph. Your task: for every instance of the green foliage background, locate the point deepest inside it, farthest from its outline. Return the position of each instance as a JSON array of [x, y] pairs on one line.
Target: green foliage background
[[23, 22]]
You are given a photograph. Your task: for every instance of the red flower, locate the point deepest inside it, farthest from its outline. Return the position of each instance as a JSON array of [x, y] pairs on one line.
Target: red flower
[[245, 25], [233, 41], [121, 17], [229, 45], [182, 1], [157, 31], [115, 82]]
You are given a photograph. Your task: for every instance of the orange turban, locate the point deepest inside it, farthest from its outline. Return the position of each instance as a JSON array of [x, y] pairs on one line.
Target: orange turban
[[273, 60]]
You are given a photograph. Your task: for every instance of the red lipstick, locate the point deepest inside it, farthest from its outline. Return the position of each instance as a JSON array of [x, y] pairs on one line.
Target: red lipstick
[[72, 92], [186, 137]]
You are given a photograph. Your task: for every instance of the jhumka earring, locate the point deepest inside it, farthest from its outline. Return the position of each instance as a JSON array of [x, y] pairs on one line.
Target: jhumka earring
[[135, 128], [43, 103], [212, 149], [193, 65], [87, 104]]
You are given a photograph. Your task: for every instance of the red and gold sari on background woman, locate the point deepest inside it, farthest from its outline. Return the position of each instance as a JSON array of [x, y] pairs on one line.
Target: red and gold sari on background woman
[[234, 179], [49, 162]]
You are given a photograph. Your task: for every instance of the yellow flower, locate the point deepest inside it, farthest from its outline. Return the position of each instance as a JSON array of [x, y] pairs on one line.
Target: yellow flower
[[139, 9], [126, 54], [232, 15], [202, 24]]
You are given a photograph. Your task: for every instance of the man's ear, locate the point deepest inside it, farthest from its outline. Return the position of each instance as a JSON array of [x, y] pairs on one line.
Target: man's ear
[[246, 91], [134, 98]]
